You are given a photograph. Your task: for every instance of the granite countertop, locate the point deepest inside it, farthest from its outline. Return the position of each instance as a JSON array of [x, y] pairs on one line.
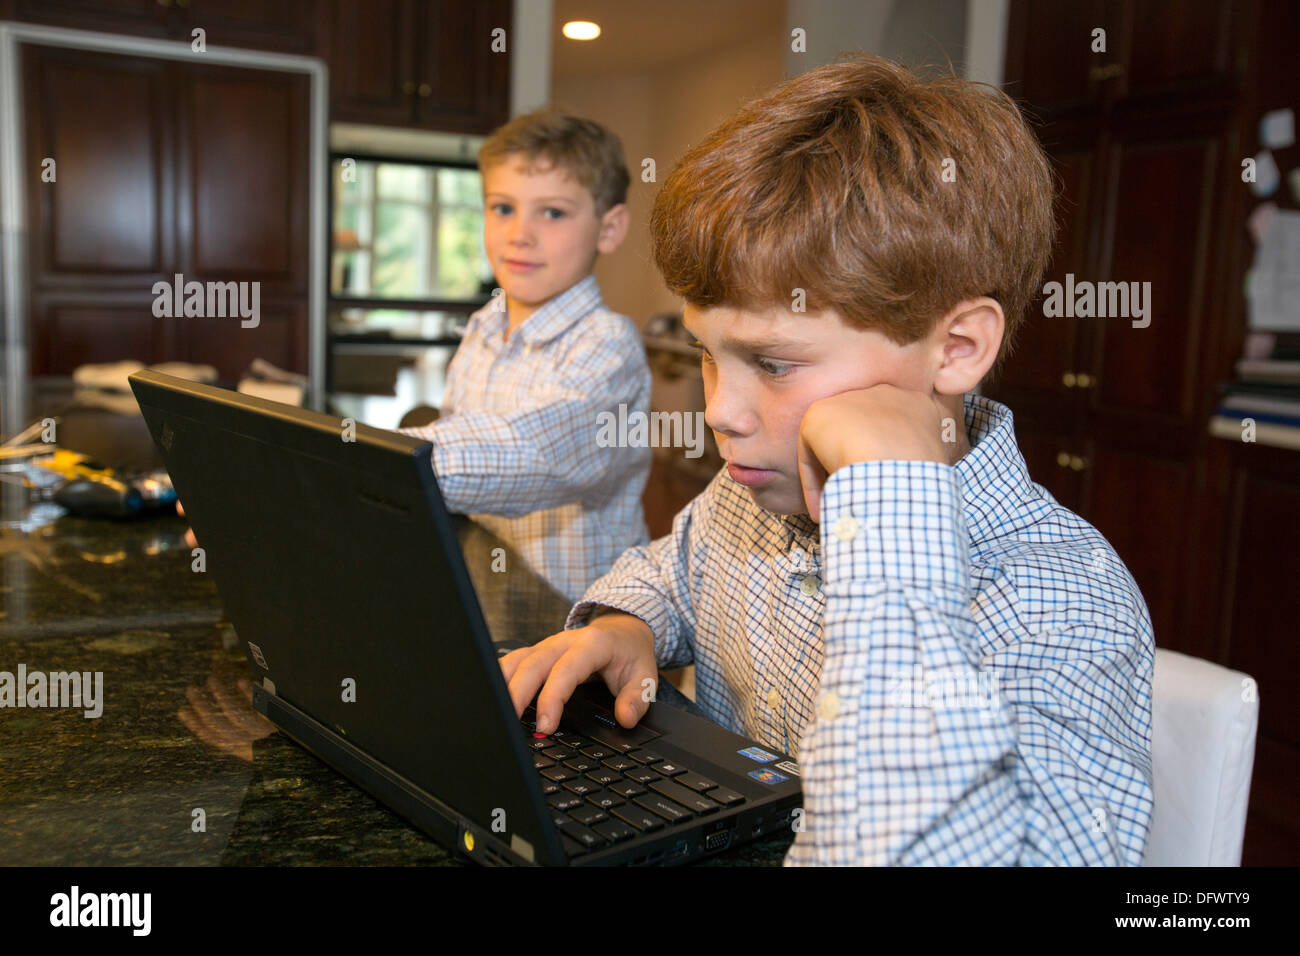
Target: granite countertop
[[178, 733]]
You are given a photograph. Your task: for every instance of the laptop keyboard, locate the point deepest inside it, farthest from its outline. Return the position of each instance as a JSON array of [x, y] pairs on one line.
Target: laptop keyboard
[[603, 790]]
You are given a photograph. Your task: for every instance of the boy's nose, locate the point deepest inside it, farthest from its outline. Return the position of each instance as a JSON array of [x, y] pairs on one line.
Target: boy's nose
[[726, 415]]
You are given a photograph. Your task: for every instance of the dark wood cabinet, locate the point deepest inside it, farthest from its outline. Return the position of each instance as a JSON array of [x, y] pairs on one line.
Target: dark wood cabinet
[[426, 64], [163, 167], [1147, 139], [287, 26]]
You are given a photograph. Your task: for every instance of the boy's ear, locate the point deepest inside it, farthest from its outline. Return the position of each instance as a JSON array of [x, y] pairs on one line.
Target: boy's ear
[[613, 229], [967, 340]]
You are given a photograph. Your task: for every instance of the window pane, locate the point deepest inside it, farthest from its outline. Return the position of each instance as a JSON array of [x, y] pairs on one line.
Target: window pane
[[402, 251], [460, 187], [460, 253], [412, 183]]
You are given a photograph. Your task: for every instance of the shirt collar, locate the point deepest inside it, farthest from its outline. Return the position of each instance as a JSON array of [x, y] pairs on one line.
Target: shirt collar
[[995, 482], [552, 319]]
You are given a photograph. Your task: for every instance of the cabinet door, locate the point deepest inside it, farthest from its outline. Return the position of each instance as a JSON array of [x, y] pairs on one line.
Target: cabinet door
[[243, 181], [67, 334], [103, 214], [1165, 180], [370, 48], [1044, 350], [1181, 47], [139, 17], [1050, 59], [287, 26], [465, 85]]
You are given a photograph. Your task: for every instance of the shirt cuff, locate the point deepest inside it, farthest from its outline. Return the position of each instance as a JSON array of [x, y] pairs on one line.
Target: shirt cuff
[[647, 607], [896, 521]]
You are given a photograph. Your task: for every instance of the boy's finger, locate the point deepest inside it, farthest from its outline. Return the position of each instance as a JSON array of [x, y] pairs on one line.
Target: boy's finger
[[635, 698], [531, 670], [812, 476], [581, 661]]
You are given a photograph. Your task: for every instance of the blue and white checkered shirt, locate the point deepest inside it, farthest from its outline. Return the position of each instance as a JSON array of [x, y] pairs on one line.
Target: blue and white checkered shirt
[[962, 665], [516, 444]]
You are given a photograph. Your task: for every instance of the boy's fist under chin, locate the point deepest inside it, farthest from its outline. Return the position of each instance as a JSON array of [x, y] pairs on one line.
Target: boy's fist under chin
[[620, 647], [880, 423]]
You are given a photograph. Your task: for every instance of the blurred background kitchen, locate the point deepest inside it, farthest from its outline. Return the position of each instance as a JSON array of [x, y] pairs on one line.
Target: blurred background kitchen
[[326, 151]]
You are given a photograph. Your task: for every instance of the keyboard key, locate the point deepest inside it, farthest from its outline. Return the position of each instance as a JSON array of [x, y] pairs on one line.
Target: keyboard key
[[581, 786], [663, 807], [557, 753], [627, 789], [614, 739], [549, 788], [597, 752], [615, 831], [642, 775], [565, 801], [572, 847], [619, 763], [640, 818], [541, 763], [695, 782], [604, 777], [576, 831], [604, 799], [588, 815], [539, 743], [687, 798], [581, 764], [574, 741], [557, 774], [645, 756], [728, 798], [668, 769]]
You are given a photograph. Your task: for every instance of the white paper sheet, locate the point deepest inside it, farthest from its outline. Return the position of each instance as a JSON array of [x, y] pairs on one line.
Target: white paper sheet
[[1273, 286]]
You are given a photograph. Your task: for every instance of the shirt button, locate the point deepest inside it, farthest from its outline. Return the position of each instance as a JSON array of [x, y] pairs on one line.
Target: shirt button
[[809, 585], [846, 528], [830, 706], [773, 698]]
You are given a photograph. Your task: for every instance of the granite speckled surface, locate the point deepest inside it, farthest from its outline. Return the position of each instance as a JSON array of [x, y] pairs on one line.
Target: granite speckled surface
[[178, 733]]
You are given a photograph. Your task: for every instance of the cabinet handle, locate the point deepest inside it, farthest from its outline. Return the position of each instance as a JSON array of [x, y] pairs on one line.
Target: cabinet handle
[[1063, 459], [408, 87], [164, 3], [182, 3], [425, 89], [1110, 70], [1077, 463], [1083, 380], [1067, 379]]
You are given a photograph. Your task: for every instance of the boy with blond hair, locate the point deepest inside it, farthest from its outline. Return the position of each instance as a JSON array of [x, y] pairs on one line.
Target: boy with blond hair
[[873, 583], [516, 441]]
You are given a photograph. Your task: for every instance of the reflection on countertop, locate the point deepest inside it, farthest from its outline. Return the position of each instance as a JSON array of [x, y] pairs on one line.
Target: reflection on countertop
[[179, 769]]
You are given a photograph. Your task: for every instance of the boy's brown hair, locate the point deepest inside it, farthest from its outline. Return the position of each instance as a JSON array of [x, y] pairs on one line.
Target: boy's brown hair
[[587, 151], [833, 183]]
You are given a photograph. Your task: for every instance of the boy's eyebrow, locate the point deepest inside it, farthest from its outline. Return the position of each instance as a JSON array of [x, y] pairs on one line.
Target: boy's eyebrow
[[760, 344], [539, 198]]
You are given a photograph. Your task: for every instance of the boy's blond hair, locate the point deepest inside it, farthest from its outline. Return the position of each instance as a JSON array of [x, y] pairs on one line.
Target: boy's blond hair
[[587, 151], [834, 183]]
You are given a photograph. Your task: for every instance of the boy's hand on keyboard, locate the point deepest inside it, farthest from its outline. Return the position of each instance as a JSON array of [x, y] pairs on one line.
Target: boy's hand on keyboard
[[620, 647]]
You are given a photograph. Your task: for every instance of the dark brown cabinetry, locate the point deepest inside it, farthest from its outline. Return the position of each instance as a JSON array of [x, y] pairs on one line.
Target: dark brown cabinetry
[[410, 63], [1147, 138], [286, 26], [163, 167]]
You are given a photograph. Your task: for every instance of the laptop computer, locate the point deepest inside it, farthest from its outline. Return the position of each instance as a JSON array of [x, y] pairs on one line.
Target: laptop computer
[[342, 573]]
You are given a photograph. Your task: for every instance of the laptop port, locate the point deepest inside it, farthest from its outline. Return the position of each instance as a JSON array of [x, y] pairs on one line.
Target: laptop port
[[718, 841]]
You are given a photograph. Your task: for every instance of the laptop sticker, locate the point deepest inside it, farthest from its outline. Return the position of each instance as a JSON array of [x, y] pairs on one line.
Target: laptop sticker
[[789, 766], [757, 754], [769, 777]]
